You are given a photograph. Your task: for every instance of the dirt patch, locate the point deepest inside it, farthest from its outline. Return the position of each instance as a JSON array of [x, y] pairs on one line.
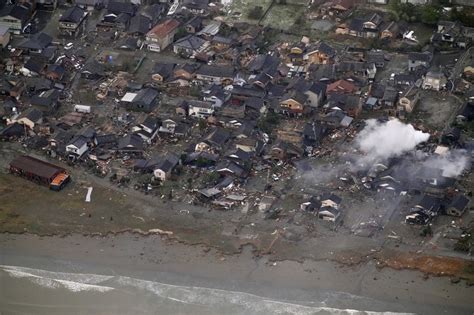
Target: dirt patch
[[436, 109], [431, 265]]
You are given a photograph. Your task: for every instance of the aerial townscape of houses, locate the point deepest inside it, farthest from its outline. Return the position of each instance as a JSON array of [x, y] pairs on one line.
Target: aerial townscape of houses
[[181, 93]]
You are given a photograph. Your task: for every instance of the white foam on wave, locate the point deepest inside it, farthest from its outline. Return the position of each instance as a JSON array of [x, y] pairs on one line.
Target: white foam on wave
[[74, 282], [250, 302], [189, 295]]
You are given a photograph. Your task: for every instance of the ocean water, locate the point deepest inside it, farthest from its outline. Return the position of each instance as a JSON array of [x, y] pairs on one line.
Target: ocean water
[[35, 291]]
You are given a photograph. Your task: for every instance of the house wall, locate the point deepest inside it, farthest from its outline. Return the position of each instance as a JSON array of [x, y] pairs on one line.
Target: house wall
[[78, 151], [200, 112], [5, 39], [246, 148], [71, 29], [25, 121], [202, 146], [412, 64], [12, 23], [431, 83], [292, 105], [313, 99], [317, 58]]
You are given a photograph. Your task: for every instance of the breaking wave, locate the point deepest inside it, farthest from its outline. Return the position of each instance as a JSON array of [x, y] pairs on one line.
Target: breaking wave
[[190, 296], [75, 282]]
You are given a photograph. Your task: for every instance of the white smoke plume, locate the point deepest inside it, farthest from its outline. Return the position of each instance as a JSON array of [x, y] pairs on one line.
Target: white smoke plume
[[451, 164], [380, 141]]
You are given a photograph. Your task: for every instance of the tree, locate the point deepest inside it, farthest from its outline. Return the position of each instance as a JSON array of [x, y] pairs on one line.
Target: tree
[[202, 124], [255, 13], [429, 14], [464, 15], [180, 33], [267, 123]]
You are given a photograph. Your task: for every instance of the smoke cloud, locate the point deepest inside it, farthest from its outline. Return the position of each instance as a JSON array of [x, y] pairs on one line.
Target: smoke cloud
[[451, 164], [380, 141]]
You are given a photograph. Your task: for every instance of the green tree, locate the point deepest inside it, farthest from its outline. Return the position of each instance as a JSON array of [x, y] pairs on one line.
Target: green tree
[[202, 124], [255, 13], [429, 14]]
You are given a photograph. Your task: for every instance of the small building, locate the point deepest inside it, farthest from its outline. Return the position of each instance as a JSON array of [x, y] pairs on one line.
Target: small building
[[71, 23], [139, 25], [434, 80], [46, 101], [162, 72], [39, 171], [194, 25], [165, 166], [389, 30], [145, 100], [390, 97], [293, 102], [416, 60], [215, 74], [458, 206], [200, 109], [93, 70], [337, 7], [31, 117], [409, 99], [162, 35], [77, 147], [341, 86], [326, 213], [47, 5], [131, 143], [16, 16], [148, 129], [213, 141], [284, 151], [189, 45], [321, 53], [36, 43]]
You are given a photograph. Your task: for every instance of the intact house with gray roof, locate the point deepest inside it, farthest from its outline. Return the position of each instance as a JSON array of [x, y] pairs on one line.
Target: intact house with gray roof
[[16, 16], [215, 74], [189, 46], [416, 60], [71, 22], [145, 100]]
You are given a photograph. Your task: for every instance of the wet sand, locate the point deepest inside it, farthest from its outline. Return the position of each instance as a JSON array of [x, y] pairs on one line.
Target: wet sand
[[152, 258]]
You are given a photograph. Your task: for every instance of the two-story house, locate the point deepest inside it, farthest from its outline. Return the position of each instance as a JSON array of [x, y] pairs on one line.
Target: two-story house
[[416, 60], [189, 46], [162, 35], [215, 74], [200, 109], [321, 53], [71, 23], [293, 103], [16, 16]]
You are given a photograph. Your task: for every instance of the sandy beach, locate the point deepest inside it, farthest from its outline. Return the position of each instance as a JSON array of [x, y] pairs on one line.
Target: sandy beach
[[153, 262]]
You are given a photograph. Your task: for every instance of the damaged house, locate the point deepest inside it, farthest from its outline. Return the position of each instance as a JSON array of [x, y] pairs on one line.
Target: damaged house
[[165, 166], [424, 211]]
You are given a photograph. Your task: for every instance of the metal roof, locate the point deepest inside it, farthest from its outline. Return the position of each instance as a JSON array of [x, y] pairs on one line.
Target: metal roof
[[35, 166]]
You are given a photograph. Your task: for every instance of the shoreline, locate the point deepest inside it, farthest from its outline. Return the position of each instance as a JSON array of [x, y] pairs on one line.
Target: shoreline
[[172, 262]]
